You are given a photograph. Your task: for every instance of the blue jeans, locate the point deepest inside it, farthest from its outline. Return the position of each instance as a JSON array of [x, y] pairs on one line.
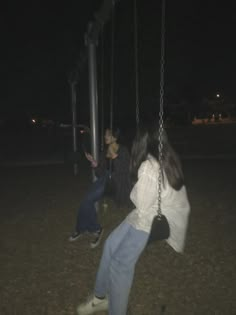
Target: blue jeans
[[116, 271], [87, 213]]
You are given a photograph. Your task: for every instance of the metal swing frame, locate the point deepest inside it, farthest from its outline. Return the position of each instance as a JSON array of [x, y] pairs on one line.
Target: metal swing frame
[[91, 41]]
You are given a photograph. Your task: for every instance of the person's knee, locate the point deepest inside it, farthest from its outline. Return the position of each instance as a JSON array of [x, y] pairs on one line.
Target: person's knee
[[106, 244], [107, 247], [95, 195]]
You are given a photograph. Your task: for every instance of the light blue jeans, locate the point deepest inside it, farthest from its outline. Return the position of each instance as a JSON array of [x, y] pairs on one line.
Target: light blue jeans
[[116, 271]]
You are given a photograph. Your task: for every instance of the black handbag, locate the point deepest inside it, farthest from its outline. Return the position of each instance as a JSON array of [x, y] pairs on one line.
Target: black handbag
[[160, 229]]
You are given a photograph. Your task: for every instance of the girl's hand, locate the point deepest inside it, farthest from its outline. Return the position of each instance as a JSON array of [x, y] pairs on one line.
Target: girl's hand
[[112, 151], [90, 158]]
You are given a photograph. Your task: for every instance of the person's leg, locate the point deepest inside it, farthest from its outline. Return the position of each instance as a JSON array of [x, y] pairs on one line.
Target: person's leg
[[99, 301], [110, 246], [87, 214], [121, 270]]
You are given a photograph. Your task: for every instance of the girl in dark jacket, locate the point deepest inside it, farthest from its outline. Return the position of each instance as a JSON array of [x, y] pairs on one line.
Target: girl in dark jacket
[[112, 168]]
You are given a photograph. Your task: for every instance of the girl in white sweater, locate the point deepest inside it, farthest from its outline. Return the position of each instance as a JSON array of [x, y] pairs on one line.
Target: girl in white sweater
[[125, 244]]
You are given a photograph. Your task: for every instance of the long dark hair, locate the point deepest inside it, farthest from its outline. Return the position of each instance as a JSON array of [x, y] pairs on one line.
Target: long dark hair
[[147, 142]]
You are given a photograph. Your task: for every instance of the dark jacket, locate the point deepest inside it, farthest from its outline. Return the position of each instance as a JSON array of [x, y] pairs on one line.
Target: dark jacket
[[120, 177]]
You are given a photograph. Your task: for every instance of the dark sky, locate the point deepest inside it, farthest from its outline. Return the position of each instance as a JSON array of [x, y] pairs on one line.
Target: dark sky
[[40, 44], [41, 41]]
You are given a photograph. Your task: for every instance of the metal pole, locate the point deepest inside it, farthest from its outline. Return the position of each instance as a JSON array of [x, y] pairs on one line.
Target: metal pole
[[92, 69], [74, 123], [102, 89]]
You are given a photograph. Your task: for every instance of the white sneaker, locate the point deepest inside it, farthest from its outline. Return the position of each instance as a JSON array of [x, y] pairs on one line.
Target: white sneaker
[[74, 236], [92, 305]]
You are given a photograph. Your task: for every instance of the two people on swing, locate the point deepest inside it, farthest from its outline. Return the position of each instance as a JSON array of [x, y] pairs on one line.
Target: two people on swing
[[126, 243], [113, 170]]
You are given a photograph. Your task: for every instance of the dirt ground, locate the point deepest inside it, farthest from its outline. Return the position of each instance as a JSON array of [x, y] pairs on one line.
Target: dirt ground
[[41, 273]]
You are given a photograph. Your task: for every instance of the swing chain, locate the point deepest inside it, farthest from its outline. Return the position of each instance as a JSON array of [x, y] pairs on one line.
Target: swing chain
[[161, 123], [136, 61], [112, 63], [102, 88]]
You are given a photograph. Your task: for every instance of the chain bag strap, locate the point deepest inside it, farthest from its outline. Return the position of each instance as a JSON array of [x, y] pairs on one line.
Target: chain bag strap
[[160, 229]]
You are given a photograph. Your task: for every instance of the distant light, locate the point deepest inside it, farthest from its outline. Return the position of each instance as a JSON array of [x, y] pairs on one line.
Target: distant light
[[33, 121], [217, 95]]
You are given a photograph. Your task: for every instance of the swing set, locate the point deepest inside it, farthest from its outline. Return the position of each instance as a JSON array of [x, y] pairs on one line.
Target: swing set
[[91, 41]]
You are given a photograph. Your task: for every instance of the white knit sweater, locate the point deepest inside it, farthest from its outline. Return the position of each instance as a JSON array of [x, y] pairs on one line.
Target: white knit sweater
[[174, 204]]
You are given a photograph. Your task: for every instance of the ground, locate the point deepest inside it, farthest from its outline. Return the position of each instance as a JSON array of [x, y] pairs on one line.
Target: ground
[[44, 274]]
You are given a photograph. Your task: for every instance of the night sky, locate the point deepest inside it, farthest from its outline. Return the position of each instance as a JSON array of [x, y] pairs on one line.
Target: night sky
[[41, 41]]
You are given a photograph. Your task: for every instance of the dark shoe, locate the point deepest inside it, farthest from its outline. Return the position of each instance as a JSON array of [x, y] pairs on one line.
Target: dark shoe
[[97, 239], [74, 236]]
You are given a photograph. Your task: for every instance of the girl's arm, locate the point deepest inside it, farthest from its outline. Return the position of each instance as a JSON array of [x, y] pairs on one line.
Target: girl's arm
[[144, 195]]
